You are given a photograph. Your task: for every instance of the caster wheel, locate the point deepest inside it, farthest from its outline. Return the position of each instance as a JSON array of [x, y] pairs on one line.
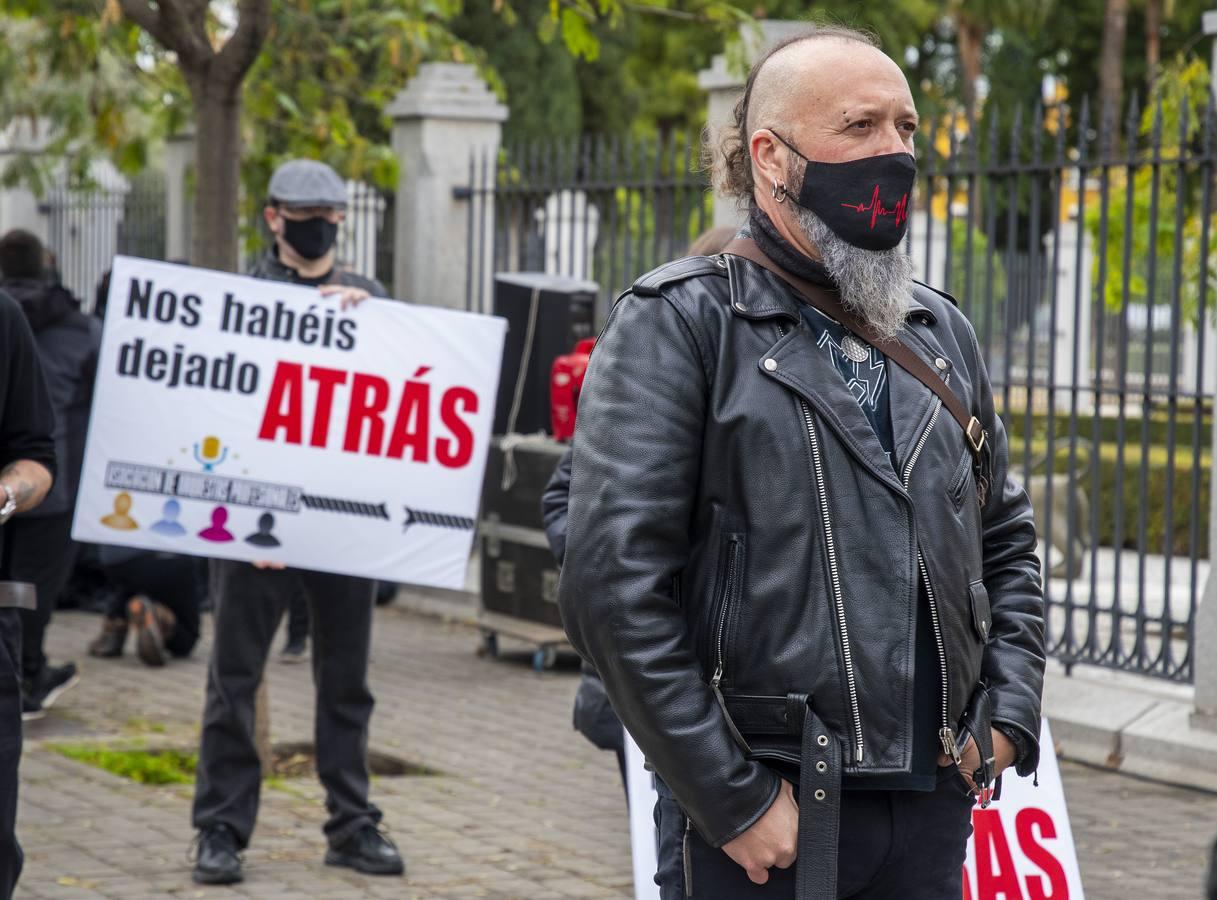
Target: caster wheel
[[544, 659], [490, 645]]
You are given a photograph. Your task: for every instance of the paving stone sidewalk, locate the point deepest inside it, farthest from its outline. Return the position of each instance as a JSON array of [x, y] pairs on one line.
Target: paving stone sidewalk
[[524, 808]]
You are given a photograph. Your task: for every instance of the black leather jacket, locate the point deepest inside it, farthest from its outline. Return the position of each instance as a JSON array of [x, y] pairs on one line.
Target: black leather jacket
[[737, 532]]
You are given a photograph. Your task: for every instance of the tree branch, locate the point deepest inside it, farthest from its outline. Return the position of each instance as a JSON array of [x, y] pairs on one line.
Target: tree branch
[[169, 25], [243, 47]]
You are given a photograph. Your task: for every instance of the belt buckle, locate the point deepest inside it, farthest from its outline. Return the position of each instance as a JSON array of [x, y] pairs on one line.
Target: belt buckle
[[976, 434]]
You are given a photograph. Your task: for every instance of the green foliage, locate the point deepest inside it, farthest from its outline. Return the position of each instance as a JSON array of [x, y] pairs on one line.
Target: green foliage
[[982, 291], [1172, 121], [143, 766]]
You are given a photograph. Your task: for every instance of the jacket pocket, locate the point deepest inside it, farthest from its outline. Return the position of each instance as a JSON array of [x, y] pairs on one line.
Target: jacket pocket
[[982, 619], [957, 487], [725, 609]]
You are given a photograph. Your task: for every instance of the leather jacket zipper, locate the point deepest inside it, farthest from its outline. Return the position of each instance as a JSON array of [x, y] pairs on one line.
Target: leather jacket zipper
[[834, 574], [720, 628], [720, 641], [686, 859], [946, 734]]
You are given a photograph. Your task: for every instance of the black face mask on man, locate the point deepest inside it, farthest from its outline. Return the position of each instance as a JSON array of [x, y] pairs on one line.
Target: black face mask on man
[[864, 201], [311, 238]]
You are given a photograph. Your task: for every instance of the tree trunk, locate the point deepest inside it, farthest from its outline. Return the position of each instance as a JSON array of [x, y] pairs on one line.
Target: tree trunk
[[969, 41], [218, 174], [1153, 42], [1111, 57]]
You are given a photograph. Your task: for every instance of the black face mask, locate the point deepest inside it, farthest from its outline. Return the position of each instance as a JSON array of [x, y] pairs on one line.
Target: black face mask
[[864, 201], [311, 238]]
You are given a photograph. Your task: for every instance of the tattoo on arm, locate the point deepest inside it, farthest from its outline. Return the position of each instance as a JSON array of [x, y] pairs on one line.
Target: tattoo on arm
[[28, 480]]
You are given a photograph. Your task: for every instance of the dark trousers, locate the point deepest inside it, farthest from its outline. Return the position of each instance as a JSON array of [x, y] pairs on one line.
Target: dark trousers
[[297, 616], [248, 608], [39, 550], [178, 582], [10, 748], [905, 844]]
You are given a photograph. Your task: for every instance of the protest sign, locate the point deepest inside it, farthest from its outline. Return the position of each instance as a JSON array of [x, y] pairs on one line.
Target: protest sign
[[256, 420], [1021, 846]]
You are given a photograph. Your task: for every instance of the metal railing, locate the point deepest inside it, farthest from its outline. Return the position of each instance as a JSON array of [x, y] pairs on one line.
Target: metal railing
[[1084, 256]]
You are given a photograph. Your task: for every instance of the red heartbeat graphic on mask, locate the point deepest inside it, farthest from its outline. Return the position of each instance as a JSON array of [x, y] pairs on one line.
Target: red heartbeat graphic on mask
[[877, 209]]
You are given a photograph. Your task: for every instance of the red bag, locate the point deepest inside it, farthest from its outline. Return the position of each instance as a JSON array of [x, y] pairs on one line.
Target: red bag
[[565, 383]]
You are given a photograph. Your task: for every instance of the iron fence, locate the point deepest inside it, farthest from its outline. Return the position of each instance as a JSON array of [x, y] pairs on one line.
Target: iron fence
[[1084, 256]]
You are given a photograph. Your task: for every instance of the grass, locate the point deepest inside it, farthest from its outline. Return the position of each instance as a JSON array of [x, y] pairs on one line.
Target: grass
[[140, 765]]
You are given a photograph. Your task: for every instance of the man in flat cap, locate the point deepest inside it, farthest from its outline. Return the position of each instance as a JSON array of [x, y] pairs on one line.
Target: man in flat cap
[[306, 204]]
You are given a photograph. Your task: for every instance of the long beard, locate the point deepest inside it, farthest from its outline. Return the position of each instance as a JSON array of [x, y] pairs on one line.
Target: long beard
[[875, 284]]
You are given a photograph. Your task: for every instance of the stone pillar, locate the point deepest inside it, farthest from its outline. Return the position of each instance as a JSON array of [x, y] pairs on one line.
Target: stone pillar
[[179, 168], [724, 82], [445, 122], [1206, 620]]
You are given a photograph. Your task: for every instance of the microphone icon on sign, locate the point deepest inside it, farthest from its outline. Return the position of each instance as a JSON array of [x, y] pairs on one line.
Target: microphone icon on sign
[[211, 454]]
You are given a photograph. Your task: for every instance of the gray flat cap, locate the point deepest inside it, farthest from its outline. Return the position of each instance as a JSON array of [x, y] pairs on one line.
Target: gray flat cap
[[306, 182]]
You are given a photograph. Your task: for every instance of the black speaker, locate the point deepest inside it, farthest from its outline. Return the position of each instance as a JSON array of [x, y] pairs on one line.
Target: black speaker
[[516, 500], [562, 313]]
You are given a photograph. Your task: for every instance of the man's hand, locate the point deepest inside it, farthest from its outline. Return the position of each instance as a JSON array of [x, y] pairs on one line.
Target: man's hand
[[269, 564], [349, 297], [772, 841], [969, 762]]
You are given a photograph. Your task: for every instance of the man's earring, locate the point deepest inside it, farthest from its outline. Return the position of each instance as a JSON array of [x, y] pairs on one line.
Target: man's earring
[[779, 192]]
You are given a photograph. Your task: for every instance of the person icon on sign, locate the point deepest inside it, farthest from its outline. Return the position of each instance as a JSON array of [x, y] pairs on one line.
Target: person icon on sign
[[120, 520], [216, 532], [169, 526], [263, 537]]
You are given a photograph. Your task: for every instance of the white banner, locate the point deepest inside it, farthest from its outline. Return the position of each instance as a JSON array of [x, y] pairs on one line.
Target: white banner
[[250, 420], [1025, 844], [1022, 846]]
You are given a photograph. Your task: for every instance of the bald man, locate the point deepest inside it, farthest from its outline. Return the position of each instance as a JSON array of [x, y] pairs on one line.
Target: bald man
[[795, 552]]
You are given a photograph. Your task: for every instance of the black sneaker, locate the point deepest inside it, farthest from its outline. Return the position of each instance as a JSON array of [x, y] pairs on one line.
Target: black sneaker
[[368, 851], [294, 651], [40, 692], [218, 860]]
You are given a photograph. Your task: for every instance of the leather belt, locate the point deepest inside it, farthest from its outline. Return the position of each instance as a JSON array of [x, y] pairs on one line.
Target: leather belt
[[18, 595], [819, 806]]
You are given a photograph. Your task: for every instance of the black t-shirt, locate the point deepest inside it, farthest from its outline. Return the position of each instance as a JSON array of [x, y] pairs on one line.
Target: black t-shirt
[[27, 422]]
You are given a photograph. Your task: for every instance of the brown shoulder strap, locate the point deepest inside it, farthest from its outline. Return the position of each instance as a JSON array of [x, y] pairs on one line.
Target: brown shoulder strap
[[895, 350]]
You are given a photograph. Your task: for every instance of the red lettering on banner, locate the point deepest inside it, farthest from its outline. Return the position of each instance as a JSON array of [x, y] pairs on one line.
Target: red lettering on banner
[[412, 428], [967, 885], [457, 452], [369, 400], [285, 405], [327, 380], [1024, 823], [992, 849]]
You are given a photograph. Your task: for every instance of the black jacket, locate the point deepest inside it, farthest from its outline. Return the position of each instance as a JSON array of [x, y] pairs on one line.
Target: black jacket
[[68, 344], [735, 522]]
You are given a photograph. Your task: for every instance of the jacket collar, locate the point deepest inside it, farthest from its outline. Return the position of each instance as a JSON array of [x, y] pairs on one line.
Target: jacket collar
[[759, 294]]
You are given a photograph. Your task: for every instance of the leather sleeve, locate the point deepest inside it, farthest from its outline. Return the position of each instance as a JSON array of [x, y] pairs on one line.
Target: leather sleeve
[[1013, 663], [636, 474], [555, 504]]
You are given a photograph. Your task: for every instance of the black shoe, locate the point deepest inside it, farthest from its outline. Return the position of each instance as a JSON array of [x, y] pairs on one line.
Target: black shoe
[[109, 643], [218, 860], [294, 651], [367, 851], [40, 692]]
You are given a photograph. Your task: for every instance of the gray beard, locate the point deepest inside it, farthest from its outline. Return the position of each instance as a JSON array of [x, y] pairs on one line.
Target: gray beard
[[875, 284]]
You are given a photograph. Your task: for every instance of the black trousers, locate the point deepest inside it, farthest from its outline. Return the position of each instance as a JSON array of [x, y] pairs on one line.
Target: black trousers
[[905, 844], [176, 581], [40, 550], [10, 749], [248, 608]]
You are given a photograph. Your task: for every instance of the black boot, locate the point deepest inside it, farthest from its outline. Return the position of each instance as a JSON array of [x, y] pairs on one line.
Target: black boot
[[367, 851], [218, 860]]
